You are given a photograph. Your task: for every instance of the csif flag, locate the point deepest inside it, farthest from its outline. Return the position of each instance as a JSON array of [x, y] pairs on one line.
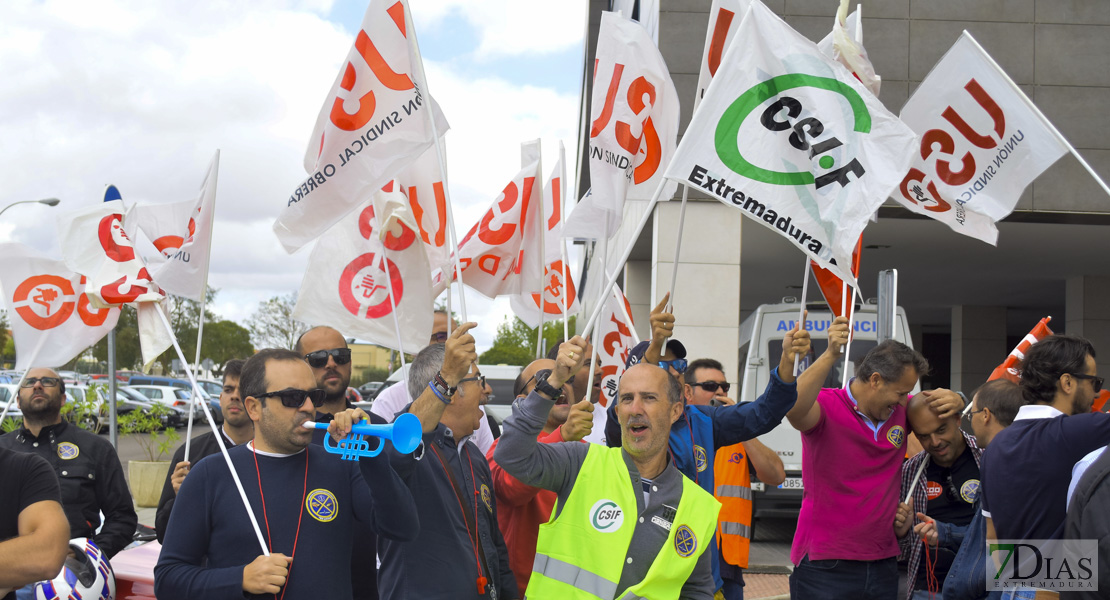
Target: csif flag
[[51, 318], [354, 268], [982, 142], [794, 141], [182, 234], [633, 126], [373, 123]]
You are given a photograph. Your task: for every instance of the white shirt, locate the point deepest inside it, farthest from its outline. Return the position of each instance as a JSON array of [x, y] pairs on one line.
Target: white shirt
[[395, 398], [1080, 468]]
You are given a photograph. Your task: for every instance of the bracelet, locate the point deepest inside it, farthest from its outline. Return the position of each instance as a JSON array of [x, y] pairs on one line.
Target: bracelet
[[442, 398]]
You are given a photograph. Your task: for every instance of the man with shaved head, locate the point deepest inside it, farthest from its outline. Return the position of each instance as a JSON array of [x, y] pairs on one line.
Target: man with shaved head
[[326, 351], [521, 508], [87, 466], [946, 491]]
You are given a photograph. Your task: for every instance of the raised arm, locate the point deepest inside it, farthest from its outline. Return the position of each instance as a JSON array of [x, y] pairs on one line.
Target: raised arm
[[767, 464], [807, 412], [459, 355]]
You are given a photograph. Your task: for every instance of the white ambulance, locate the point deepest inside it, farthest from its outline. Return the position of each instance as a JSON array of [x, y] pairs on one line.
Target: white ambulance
[[761, 337]]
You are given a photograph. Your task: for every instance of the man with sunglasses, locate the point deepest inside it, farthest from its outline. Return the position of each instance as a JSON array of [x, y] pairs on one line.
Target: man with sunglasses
[[521, 507], [706, 386], [87, 465], [1028, 469], [696, 436], [211, 550], [947, 491], [327, 352]]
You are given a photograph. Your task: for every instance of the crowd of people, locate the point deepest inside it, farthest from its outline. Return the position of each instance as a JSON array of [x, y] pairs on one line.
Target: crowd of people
[[661, 509]]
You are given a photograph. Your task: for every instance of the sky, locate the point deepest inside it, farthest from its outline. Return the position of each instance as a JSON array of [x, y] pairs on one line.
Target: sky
[[140, 94]]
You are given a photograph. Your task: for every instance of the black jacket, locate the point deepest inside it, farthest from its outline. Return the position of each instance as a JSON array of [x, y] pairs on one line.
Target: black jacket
[[201, 446], [92, 482], [1088, 518]]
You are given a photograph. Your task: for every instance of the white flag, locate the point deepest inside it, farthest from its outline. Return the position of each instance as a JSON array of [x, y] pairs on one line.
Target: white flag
[[491, 253], [982, 142], [345, 284], [633, 127], [644, 12], [425, 188], [617, 339], [52, 321], [724, 19], [841, 45], [182, 233], [794, 141], [373, 124]]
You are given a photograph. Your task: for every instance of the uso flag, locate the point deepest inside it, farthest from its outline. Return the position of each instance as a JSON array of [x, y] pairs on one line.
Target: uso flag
[[373, 123], [345, 284], [794, 141], [52, 321]]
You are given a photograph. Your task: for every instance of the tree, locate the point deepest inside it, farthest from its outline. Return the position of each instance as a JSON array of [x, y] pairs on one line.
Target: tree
[[223, 341], [515, 342], [273, 325]]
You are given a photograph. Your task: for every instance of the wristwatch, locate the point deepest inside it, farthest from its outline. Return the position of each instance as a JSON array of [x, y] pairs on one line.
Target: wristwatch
[[440, 384], [546, 388]]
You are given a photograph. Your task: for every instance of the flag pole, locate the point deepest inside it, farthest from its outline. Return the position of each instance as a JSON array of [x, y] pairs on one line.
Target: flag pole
[[677, 252], [802, 311], [563, 240], [597, 332], [1036, 109], [203, 299], [848, 346], [393, 303], [34, 356], [608, 286], [440, 158], [542, 255], [215, 430]]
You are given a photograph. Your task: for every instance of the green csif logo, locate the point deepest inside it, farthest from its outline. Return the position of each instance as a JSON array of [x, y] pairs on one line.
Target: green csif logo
[[807, 134], [606, 515]]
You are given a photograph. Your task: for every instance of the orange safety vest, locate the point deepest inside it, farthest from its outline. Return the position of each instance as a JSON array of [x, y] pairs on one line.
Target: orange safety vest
[[734, 491]]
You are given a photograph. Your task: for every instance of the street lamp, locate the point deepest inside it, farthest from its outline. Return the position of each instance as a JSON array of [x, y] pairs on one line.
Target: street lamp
[[46, 201]]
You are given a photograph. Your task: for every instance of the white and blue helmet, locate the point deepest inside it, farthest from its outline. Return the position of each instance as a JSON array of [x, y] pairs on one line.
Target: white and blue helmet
[[87, 576]]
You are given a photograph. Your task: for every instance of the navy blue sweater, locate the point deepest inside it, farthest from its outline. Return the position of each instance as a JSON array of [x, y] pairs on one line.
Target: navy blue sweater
[[209, 539]]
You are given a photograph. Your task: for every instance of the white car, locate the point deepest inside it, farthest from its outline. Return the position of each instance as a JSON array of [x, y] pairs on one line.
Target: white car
[[173, 397]]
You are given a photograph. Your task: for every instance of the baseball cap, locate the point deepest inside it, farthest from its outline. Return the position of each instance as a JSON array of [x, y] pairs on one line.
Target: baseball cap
[[637, 353]]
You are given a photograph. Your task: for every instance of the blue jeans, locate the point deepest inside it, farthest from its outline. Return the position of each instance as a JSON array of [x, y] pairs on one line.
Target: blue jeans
[[845, 579], [732, 589]]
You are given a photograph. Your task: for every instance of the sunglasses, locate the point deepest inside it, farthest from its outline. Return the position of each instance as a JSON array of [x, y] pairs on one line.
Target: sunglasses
[[439, 337], [712, 386], [294, 398], [1096, 382], [678, 364], [319, 358], [545, 373], [45, 381]]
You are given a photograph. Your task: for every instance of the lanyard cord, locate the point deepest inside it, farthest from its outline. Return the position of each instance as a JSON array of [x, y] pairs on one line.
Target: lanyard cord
[[481, 581], [266, 518]]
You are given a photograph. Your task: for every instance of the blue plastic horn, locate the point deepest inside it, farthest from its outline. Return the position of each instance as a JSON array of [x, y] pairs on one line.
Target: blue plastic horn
[[405, 433]]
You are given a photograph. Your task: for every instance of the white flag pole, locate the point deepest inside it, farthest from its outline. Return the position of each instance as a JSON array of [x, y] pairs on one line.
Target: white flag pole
[[542, 256], [802, 311], [393, 304], [608, 286], [916, 479], [215, 430], [1040, 114], [563, 240], [848, 346], [34, 356], [677, 252], [203, 299], [597, 332], [441, 159]]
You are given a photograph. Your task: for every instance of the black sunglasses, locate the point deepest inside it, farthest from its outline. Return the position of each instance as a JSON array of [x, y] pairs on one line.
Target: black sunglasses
[[319, 358], [439, 337], [294, 398], [1096, 382], [45, 381], [711, 386]]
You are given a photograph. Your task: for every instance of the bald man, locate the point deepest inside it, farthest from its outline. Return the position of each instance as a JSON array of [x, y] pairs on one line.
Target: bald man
[[946, 491], [87, 466]]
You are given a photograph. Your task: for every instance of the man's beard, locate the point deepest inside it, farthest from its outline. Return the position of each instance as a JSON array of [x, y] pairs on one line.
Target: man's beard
[[338, 394], [47, 411]]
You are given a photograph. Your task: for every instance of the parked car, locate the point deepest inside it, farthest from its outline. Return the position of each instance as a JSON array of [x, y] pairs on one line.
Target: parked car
[[212, 388], [370, 389], [172, 396]]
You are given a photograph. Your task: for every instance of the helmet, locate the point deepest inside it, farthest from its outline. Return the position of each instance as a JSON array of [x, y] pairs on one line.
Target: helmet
[[88, 575]]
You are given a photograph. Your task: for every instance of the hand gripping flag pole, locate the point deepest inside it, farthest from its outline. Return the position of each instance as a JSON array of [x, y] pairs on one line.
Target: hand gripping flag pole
[[215, 430]]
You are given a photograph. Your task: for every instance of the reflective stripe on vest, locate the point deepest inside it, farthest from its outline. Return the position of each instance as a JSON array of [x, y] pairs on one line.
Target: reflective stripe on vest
[[733, 490], [571, 575]]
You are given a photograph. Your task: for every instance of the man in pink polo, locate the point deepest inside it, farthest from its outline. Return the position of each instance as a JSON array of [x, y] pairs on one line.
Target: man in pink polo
[[852, 452]]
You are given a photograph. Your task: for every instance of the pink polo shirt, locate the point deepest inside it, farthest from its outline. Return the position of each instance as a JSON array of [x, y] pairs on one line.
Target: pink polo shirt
[[850, 472]]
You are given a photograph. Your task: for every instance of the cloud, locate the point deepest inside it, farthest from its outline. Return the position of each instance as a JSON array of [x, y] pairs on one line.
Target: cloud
[[140, 94]]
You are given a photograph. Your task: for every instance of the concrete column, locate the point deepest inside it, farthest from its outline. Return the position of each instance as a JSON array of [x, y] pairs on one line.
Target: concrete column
[[1087, 314], [978, 344], [637, 288], [707, 295]]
